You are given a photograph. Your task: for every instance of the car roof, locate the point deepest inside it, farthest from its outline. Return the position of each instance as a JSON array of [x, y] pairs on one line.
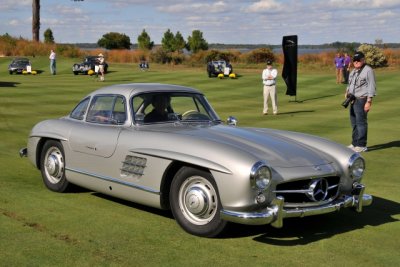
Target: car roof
[[21, 59], [137, 88]]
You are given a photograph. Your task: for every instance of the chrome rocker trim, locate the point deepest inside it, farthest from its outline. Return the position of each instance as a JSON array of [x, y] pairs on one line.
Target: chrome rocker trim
[[274, 214]]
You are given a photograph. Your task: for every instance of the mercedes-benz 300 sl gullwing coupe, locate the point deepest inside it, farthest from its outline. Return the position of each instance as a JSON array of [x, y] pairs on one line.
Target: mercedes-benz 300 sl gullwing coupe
[[164, 146]]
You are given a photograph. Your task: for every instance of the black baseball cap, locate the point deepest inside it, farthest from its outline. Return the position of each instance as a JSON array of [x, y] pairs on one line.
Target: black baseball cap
[[358, 56], [269, 62]]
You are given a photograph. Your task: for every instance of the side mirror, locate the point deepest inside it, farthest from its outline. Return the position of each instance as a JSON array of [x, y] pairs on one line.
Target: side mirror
[[231, 121]]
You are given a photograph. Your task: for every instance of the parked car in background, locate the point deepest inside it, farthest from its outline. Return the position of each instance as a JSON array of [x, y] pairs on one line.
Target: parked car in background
[[19, 64], [187, 160], [89, 63], [214, 68]]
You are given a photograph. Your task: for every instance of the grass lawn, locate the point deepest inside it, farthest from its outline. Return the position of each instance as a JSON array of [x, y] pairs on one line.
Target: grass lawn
[[43, 228]]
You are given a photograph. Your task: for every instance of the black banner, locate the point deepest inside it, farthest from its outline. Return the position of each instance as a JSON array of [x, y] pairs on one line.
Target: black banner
[[289, 72]]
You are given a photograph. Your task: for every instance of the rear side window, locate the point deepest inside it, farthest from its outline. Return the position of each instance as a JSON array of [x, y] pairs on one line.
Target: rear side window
[[79, 111]]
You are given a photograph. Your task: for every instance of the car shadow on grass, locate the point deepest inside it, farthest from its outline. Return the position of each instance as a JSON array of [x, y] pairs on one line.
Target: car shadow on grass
[[296, 231], [37, 72], [303, 231], [8, 84], [163, 213]]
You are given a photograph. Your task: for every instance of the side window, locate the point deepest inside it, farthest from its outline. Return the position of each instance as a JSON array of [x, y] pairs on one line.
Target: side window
[[107, 109], [138, 105], [119, 112], [79, 111]]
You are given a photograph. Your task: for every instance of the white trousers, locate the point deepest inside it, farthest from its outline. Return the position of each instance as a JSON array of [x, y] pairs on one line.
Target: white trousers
[[270, 90]]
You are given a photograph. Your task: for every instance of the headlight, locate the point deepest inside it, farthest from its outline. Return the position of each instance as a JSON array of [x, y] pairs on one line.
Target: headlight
[[260, 175], [356, 166]]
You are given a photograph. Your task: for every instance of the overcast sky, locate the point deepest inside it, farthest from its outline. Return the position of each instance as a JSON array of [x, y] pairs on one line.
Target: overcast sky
[[229, 22]]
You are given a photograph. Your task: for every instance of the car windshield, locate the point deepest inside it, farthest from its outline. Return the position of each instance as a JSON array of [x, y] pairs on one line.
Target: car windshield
[[90, 59], [21, 61], [165, 107]]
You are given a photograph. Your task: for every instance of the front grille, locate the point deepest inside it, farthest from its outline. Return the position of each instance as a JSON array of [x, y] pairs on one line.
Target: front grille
[[312, 191]]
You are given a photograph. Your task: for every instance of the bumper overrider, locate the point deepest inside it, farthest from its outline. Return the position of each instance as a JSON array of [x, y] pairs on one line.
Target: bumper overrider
[[275, 213]]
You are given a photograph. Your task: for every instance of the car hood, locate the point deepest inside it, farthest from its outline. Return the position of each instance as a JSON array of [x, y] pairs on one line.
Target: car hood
[[271, 145]]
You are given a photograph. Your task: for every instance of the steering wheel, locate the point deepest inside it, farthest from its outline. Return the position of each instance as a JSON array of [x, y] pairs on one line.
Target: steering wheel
[[194, 115]]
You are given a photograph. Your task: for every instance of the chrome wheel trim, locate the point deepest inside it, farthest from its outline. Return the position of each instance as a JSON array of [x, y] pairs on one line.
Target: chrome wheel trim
[[54, 165], [198, 200]]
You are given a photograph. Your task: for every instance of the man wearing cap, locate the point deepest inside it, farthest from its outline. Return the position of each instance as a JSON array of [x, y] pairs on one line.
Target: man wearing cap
[[101, 66], [269, 80], [362, 85]]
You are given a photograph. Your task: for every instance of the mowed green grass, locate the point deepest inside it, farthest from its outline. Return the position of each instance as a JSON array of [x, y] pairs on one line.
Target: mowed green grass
[[43, 228]]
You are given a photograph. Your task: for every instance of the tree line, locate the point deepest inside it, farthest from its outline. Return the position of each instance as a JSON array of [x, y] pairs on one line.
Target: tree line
[[170, 42]]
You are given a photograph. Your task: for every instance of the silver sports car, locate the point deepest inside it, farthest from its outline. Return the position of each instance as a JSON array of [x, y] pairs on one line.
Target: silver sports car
[[164, 146]]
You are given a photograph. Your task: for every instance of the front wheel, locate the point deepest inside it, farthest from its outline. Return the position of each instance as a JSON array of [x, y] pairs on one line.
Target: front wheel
[[52, 166], [195, 203]]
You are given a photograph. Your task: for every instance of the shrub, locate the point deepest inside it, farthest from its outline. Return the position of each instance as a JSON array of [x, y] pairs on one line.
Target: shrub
[[373, 55], [177, 58], [260, 55], [119, 55], [220, 55], [392, 56], [197, 59], [68, 51], [7, 45], [160, 56]]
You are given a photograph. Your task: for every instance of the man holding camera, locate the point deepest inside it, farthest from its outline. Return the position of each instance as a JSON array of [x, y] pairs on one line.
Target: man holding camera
[[361, 89]]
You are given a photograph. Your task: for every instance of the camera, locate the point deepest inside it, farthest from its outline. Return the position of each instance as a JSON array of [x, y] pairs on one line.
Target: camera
[[348, 100]]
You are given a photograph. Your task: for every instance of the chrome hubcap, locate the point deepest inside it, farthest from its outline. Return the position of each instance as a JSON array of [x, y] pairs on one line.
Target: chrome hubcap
[[54, 165], [198, 200]]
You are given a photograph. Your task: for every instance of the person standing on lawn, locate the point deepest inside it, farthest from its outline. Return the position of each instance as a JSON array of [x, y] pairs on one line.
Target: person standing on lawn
[[339, 63], [101, 66], [346, 68], [269, 80], [363, 87], [52, 58]]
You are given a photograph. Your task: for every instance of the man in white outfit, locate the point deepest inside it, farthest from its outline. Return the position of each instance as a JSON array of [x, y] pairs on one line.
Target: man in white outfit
[[269, 80], [52, 58], [101, 62]]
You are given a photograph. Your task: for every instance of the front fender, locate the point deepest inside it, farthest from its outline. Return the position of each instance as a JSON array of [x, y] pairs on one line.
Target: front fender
[[172, 155]]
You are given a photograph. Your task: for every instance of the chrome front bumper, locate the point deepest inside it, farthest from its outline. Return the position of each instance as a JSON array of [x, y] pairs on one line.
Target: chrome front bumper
[[275, 214]]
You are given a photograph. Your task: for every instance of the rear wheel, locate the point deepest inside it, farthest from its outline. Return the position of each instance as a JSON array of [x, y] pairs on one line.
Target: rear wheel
[[52, 166], [195, 202]]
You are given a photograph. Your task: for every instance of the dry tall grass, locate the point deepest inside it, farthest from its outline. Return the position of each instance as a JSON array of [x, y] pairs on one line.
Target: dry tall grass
[[20, 47]]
